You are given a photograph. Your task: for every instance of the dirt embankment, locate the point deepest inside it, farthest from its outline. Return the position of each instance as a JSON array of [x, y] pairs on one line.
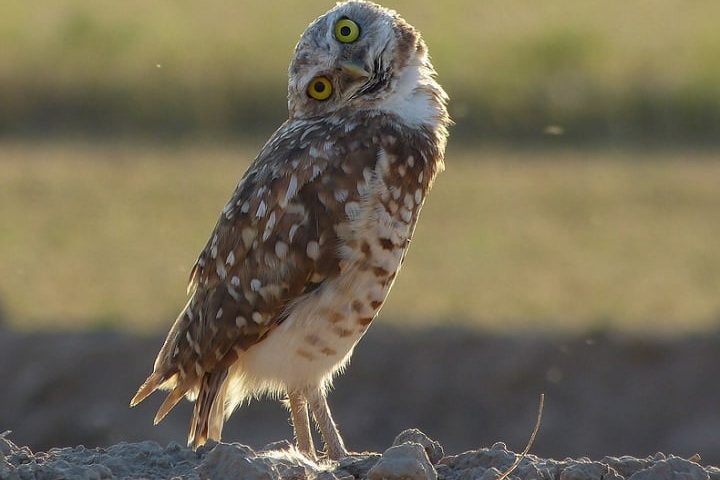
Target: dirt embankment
[[605, 394], [412, 456]]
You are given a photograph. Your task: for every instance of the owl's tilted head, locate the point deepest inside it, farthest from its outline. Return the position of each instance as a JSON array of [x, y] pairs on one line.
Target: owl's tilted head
[[361, 56]]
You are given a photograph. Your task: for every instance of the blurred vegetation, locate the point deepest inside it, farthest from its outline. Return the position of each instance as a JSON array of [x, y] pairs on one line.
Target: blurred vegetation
[[596, 70], [98, 235], [607, 233]]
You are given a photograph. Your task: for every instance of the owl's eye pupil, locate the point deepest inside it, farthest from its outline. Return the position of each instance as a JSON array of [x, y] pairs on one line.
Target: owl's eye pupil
[[345, 31], [319, 87]]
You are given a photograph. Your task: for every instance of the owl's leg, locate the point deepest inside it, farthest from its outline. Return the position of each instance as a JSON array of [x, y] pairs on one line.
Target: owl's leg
[[301, 423], [320, 410]]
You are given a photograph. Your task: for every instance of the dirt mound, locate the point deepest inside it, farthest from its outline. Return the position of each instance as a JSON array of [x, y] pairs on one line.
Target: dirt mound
[[605, 394], [412, 456]]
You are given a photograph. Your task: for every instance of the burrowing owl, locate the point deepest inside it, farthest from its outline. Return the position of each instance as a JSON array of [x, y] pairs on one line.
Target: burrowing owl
[[307, 248]]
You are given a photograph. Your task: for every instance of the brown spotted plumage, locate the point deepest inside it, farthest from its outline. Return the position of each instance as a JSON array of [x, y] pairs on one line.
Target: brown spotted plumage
[[306, 250]]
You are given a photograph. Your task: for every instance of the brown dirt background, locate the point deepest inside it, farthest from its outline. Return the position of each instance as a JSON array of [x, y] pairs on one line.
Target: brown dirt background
[[606, 394]]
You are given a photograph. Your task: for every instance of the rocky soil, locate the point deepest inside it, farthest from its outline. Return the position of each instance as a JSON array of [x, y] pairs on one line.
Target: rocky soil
[[412, 456]]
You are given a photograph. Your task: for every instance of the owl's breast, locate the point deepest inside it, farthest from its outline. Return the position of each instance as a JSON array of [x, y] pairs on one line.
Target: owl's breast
[[377, 237], [322, 328]]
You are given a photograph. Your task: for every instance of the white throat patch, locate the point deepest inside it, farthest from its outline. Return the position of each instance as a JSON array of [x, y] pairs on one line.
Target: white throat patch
[[412, 99]]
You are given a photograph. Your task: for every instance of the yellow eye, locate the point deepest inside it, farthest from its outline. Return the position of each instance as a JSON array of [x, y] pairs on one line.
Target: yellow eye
[[347, 31], [320, 88]]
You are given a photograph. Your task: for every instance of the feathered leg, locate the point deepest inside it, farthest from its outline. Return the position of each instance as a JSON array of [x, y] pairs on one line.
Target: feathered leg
[[333, 442], [301, 423]]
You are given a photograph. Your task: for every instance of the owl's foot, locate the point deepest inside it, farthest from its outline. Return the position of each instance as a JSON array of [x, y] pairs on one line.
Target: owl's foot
[[334, 446], [297, 403], [338, 453]]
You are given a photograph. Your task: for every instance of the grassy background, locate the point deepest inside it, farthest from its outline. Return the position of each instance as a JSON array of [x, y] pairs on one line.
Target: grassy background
[[98, 235], [613, 223], [604, 71]]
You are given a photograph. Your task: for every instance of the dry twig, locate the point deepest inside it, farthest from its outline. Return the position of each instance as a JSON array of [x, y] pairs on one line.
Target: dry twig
[[529, 445]]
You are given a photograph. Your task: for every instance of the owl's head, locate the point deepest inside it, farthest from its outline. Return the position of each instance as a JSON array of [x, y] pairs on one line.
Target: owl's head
[[357, 55]]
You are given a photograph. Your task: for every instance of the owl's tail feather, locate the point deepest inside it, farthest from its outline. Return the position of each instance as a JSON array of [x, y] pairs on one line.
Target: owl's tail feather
[[209, 413], [170, 401], [159, 381], [152, 383]]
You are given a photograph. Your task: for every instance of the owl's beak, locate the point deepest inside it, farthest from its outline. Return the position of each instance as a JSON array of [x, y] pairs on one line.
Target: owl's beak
[[354, 70]]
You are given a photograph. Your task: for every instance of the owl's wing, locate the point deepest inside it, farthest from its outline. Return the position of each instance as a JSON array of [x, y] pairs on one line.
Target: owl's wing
[[275, 241]]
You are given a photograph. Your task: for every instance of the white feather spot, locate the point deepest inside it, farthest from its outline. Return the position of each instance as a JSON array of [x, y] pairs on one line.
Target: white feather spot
[[245, 207], [418, 196], [240, 321], [313, 250], [220, 268], [396, 192], [262, 208], [293, 231], [235, 281], [408, 200], [292, 188], [421, 176], [316, 171], [411, 161], [219, 314], [352, 210], [341, 195], [406, 215], [255, 284], [257, 317], [281, 249], [269, 226], [230, 258]]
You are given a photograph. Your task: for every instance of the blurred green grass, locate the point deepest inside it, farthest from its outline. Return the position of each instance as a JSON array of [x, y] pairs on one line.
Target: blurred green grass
[[602, 70], [104, 234]]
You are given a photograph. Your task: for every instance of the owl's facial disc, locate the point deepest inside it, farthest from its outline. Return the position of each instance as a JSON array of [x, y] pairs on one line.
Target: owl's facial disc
[[360, 47]]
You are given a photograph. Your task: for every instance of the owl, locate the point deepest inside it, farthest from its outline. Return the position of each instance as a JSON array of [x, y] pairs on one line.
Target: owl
[[306, 250]]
